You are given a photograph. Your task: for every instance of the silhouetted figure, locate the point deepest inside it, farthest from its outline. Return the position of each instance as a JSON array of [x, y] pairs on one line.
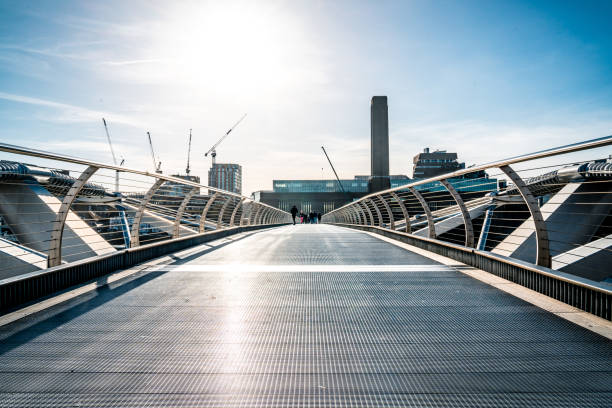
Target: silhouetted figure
[[294, 212], [301, 217], [319, 217]]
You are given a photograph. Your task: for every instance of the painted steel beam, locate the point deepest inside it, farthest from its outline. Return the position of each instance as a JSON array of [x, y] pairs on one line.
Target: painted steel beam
[[543, 247], [467, 220], [141, 209], [181, 211], [57, 233]]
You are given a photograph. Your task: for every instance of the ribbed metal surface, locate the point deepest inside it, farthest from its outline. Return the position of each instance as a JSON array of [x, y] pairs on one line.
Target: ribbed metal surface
[[19, 290], [183, 335], [593, 301]]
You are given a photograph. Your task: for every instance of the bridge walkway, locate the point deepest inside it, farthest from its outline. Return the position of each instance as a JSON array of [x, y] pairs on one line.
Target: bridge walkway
[[307, 315]]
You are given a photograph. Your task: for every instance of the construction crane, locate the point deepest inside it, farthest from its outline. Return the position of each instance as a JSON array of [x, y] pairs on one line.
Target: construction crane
[[212, 151], [336, 174], [188, 170], [156, 164], [114, 157]]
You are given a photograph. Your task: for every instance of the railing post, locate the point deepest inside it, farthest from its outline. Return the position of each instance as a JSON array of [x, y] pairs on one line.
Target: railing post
[[378, 213], [467, 220], [222, 210], [54, 258], [357, 215], [263, 219], [363, 204], [340, 216], [266, 217], [181, 210], [426, 210], [262, 214], [141, 209], [253, 212], [391, 220], [255, 218], [238, 206], [270, 216], [543, 246], [361, 214], [353, 215], [210, 202], [347, 216], [404, 211]]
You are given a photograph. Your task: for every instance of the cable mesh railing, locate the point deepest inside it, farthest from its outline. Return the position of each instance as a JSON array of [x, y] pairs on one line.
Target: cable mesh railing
[[551, 209], [64, 209]]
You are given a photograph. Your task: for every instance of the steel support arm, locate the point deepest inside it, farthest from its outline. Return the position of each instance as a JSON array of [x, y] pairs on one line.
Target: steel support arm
[[365, 207], [238, 206], [54, 257], [426, 210], [210, 202], [362, 215], [543, 246], [404, 211], [141, 209], [378, 213], [181, 211], [467, 220], [265, 215], [256, 218], [357, 214], [388, 209], [222, 210]]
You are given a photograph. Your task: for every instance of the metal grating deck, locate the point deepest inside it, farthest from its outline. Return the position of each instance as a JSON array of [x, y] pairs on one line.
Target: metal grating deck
[[326, 329]]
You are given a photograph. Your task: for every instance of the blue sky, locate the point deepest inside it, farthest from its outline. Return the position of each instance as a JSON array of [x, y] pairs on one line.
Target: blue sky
[[488, 79]]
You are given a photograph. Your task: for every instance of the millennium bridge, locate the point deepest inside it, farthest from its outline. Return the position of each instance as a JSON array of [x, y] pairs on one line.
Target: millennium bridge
[[122, 287]]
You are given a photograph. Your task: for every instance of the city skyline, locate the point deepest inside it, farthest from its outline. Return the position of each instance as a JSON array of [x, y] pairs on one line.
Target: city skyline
[[520, 76]]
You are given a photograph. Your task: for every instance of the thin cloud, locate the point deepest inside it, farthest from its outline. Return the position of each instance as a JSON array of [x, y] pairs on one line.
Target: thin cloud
[[71, 113], [132, 62]]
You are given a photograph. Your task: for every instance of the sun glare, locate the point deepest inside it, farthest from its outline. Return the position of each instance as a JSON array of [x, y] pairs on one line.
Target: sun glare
[[245, 48]]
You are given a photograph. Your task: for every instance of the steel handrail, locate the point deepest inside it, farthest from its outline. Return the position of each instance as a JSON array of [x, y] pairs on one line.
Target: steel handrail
[[555, 151], [8, 148]]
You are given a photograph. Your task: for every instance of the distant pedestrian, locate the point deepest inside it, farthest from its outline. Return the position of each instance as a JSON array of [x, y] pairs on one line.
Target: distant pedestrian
[[319, 217], [301, 217], [294, 212]]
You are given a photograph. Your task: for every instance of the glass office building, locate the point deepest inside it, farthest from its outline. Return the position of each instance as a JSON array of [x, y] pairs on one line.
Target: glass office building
[[357, 185], [319, 186]]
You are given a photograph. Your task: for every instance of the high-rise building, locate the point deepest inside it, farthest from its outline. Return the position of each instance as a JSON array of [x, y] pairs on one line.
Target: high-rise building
[[226, 176]]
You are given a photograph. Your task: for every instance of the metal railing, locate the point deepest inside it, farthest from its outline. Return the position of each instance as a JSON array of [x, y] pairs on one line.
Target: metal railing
[[48, 217], [551, 209]]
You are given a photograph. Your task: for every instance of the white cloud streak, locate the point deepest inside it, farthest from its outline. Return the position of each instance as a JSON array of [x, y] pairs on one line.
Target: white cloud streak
[[70, 113]]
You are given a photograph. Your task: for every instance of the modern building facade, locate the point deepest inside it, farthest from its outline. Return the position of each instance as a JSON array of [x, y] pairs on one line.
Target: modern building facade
[[319, 195], [226, 176], [430, 164], [321, 202], [179, 190]]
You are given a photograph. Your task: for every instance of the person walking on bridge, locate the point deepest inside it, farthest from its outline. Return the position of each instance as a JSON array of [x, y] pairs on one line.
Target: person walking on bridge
[[294, 212]]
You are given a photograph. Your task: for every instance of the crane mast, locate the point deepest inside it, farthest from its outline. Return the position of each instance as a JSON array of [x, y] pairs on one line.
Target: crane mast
[[336, 174], [156, 164], [188, 170], [212, 151], [113, 154]]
